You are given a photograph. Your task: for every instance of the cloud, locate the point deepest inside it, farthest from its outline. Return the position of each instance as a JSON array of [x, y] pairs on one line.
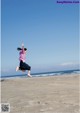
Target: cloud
[[68, 64]]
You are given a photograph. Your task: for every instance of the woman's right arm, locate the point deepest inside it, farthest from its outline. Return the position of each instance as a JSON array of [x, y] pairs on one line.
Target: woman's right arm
[[23, 48]]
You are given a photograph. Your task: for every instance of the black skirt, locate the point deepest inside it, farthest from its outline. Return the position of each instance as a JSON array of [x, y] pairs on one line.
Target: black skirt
[[24, 66]]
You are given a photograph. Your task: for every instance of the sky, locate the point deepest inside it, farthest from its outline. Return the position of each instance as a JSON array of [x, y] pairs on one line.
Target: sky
[[49, 30]]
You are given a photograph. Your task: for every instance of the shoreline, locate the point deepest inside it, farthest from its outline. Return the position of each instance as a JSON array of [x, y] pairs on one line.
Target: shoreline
[[42, 74], [38, 75]]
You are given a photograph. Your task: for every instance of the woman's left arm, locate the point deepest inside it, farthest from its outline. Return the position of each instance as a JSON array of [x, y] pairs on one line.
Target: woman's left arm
[[23, 48]]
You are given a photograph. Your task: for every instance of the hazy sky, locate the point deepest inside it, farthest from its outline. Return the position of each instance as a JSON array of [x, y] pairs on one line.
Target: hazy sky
[[50, 31]]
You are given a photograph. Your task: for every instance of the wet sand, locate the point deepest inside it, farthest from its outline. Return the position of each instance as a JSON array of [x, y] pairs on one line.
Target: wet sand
[[53, 94]]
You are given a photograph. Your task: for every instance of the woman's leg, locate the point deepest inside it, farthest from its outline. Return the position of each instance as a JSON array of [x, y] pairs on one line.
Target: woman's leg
[[20, 67], [29, 73], [23, 67], [27, 67], [17, 68]]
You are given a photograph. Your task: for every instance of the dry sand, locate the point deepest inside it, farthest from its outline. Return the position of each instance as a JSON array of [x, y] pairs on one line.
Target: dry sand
[[54, 94]]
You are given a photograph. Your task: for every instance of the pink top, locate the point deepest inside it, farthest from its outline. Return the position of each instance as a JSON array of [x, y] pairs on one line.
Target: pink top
[[22, 55]]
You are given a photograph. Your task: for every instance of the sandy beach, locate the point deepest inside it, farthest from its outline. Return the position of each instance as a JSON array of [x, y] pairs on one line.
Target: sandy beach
[[53, 94]]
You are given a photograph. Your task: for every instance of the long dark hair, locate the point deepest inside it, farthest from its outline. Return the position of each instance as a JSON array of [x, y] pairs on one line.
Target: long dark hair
[[21, 49]]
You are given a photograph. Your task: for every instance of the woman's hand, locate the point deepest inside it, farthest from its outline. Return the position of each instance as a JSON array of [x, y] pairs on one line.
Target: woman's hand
[[22, 45]]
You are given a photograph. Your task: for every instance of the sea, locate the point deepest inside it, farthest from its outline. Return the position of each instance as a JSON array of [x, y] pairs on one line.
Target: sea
[[44, 74]]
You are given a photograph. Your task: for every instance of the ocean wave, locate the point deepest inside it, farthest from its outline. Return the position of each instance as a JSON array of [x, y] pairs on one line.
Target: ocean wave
[[57, 73]]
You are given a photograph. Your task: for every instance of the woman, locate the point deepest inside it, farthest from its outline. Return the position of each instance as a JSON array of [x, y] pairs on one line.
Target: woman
[[23, 66]]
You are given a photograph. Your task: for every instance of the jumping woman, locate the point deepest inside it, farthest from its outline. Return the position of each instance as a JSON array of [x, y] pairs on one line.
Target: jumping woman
[[22, 57]]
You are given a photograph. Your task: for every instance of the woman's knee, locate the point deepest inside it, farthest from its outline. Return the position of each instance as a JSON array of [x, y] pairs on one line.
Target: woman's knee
[[29, 67]]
